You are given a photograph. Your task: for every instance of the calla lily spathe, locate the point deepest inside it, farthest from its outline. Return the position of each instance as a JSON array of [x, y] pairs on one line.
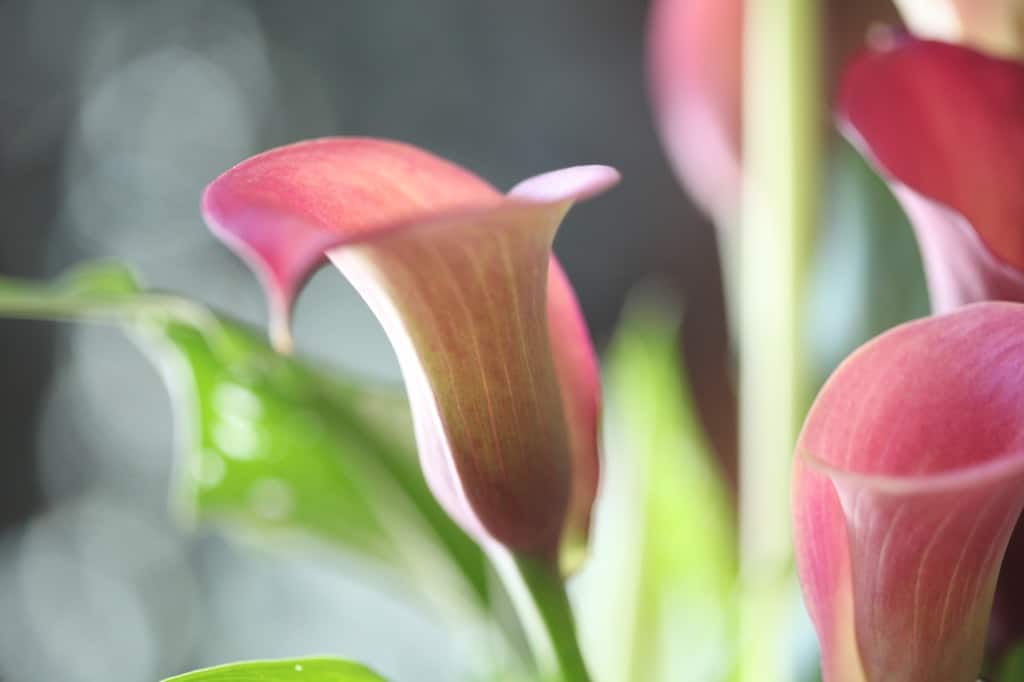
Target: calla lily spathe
[[695, 74], [497, 360], [956, 164], [909, 480], [945, 126]]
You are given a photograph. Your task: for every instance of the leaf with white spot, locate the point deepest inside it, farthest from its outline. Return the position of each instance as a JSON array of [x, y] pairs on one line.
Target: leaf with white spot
[[271, 446], [292, 670]]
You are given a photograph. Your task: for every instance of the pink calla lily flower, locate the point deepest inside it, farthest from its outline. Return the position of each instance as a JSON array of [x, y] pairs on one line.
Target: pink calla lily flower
[[695, 74], [497, 360], [908, 482], [945, 126], [957, 168], [695, 60]]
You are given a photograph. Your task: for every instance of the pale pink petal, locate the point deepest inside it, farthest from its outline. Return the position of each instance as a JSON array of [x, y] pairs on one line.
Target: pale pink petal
[[694, 73], [567, 184]]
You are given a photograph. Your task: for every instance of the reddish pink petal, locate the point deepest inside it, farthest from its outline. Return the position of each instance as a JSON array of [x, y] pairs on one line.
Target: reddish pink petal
[[909, 481], [955, 166], [283, 209], [580, 381], [459, 277], [945, 126]]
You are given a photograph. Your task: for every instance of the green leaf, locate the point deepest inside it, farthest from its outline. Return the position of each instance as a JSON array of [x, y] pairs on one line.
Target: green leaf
[[291, 670], [95, 292], [271, 446], [665, 546], [1011, 667], [867, 275]]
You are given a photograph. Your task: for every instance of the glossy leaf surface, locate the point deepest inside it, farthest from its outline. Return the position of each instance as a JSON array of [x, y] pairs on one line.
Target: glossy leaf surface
[[459, 277], [908, 484], [291, 670], [956, 164], [269, 445]]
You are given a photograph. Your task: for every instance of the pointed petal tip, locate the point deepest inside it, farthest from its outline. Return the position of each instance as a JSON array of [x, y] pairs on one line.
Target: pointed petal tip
[[281, 338], [573, 552], [576, 183]]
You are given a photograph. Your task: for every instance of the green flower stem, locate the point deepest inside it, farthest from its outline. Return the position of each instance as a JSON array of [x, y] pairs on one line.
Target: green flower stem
[[548, 591], [781, 164], [538, 594], [31, 300]]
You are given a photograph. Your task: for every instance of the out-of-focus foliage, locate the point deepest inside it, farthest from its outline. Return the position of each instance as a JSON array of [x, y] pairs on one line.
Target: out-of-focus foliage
[[304, 669], [1011, 668], [867, 276], [271, 446], [665, 562]]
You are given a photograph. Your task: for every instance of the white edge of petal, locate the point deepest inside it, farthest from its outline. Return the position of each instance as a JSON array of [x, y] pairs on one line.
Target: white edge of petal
[[575, 183], [430, 434]]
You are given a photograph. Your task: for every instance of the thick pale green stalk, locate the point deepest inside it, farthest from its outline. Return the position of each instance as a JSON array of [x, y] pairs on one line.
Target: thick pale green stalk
[[781, 101], [538, 594]]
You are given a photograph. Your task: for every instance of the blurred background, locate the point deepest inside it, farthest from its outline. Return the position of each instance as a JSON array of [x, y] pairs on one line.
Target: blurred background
[[113, 117]]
